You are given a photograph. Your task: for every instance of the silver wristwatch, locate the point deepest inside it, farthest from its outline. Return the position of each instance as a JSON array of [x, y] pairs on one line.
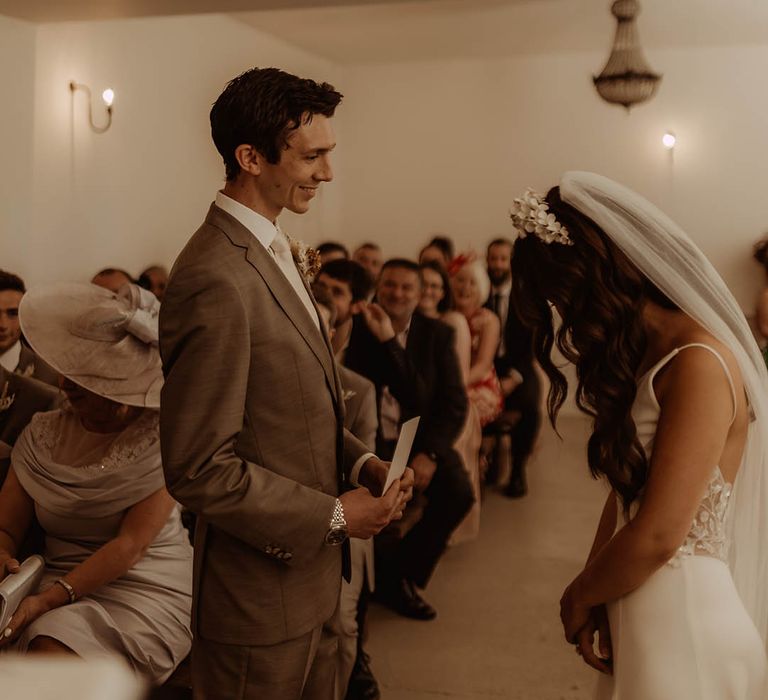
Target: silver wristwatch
[[337, 528]]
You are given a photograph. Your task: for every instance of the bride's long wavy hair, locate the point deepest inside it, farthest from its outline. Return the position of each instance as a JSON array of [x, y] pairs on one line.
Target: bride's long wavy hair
[[599, 297]]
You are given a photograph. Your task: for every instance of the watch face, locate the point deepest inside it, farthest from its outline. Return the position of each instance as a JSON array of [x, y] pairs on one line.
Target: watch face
[[336, 535]]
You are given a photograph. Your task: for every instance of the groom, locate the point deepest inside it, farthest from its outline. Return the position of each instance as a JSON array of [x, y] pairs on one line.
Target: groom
[[252, 410]]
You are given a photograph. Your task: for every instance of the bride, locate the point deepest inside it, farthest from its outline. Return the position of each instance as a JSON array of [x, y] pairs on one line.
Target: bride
[[674, 588]]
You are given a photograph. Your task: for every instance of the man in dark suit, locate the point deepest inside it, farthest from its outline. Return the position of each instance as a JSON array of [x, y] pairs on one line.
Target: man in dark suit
[[412, 361], [15, 356], [251, 419], [514, 365], [20, 398]]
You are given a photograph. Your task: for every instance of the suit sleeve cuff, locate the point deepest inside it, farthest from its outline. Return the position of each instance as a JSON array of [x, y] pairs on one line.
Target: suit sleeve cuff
[[355, 473]]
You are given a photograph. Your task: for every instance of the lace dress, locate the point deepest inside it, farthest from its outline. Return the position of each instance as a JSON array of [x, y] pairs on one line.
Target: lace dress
[[684, 633], [82, 483]]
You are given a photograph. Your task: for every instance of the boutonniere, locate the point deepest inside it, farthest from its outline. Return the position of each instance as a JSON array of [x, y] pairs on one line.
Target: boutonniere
[[6, 399], [307, 259], [348, 394]]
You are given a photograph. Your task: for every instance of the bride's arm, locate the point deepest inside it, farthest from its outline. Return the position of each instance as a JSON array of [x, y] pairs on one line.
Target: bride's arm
[[606, 527], [694, 423]]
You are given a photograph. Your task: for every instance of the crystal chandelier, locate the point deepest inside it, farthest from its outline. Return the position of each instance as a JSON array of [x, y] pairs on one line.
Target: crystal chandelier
[[626, 79]]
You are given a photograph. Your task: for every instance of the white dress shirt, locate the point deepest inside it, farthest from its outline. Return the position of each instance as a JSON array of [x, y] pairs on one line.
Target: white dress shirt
[[276, 244], [10, 358]]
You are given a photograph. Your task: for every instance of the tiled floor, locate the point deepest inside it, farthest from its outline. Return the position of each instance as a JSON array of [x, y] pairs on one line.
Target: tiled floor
[[497, 634]]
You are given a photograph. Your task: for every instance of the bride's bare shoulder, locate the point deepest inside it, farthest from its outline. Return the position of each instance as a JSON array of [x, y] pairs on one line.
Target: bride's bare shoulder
[[697, 362]]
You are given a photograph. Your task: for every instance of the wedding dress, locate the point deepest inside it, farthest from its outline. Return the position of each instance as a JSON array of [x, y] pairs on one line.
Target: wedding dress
[[684, 634]]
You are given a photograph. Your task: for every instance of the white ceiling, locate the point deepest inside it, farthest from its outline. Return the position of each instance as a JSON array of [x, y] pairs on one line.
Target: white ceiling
[[369, 31], [444, 29], [63, 10]]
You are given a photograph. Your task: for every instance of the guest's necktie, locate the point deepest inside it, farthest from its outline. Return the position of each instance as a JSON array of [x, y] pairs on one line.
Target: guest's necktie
[[281, 251]]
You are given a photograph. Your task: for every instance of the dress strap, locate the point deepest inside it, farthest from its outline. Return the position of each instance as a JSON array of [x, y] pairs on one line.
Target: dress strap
[[664, 360]]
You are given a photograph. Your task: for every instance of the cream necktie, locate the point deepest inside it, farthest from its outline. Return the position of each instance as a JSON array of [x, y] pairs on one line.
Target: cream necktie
[[281, 251]]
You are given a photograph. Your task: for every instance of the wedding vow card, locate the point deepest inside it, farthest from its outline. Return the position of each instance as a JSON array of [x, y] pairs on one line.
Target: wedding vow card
[[402, 451]]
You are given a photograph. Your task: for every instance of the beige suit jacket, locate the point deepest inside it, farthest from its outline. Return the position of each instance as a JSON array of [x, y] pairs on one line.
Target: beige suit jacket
[[251, 424]]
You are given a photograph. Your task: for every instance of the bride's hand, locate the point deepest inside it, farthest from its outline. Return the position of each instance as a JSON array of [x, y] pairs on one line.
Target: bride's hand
[[585, 641], [573, 614]]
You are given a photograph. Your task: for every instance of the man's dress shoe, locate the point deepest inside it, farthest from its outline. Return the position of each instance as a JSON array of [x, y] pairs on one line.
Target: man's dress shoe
[[362, 684], [403, 598]]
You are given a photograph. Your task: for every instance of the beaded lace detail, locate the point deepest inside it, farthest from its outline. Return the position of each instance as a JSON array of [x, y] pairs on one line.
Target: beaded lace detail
[[136, 439], [707, 534]]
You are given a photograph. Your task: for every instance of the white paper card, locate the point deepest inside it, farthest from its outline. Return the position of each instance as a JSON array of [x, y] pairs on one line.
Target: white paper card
[[402, 451]]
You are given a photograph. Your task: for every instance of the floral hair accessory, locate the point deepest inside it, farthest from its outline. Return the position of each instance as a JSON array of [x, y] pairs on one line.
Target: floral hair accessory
[[459, 261], [307, 259], [530, 214]]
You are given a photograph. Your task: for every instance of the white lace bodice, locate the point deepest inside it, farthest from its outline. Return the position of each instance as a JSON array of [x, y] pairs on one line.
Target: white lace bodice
[[707, 535]]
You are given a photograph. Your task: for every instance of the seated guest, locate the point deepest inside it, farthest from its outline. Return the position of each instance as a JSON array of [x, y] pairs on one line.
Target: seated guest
[[439, 250], [15, 356], [354, 678], [118, 574], [370, 257], [412, 362], [437, 302], [331, 250], [155, 279], [112, 278], [470, 286], [515, 366], [349, 286]]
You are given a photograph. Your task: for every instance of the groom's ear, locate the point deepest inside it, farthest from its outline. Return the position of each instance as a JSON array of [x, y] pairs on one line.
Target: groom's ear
[[249, 159]]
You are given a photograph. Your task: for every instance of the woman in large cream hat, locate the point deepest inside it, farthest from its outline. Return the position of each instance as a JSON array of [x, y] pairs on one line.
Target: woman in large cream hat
[[118, 562]]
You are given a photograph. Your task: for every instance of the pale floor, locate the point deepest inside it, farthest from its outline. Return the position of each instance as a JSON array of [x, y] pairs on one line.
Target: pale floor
[[497, 634]]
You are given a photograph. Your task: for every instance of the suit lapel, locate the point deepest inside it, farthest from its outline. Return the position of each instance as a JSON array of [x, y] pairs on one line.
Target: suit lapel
[[282, 291], [26, 366]]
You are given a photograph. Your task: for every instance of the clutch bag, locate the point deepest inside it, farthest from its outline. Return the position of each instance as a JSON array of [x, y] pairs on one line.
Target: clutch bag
[[15, 587]]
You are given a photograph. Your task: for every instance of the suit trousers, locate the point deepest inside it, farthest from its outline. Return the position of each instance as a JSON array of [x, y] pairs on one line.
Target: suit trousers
[[346, 623], [527, 399], [449, 498], [297, 669]]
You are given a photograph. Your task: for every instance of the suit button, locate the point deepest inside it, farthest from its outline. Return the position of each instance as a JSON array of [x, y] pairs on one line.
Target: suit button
[[287, 555], [269, 549]]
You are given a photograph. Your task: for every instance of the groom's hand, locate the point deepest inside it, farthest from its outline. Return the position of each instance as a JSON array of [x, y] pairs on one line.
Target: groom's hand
[[367, 515], [374, 473]]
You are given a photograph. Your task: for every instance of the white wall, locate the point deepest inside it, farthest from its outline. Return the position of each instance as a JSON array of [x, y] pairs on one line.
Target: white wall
[[17, 76], [445, 146], [133, 195], [423, 146]]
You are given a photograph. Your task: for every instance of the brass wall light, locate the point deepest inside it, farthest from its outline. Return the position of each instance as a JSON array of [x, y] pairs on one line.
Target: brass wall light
[[108, 96]]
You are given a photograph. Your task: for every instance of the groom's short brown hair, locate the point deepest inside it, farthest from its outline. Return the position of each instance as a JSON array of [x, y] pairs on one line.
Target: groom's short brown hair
[[259, 108]]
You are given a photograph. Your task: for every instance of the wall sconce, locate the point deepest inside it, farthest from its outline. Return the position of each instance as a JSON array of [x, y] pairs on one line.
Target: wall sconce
[[669, 140], [108, 96]]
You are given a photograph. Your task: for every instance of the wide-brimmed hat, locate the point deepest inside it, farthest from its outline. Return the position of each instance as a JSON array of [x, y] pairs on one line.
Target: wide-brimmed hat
[[104, 341]]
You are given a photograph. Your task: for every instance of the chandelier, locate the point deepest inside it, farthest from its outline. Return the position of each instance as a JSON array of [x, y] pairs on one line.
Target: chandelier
[[626, 79]]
